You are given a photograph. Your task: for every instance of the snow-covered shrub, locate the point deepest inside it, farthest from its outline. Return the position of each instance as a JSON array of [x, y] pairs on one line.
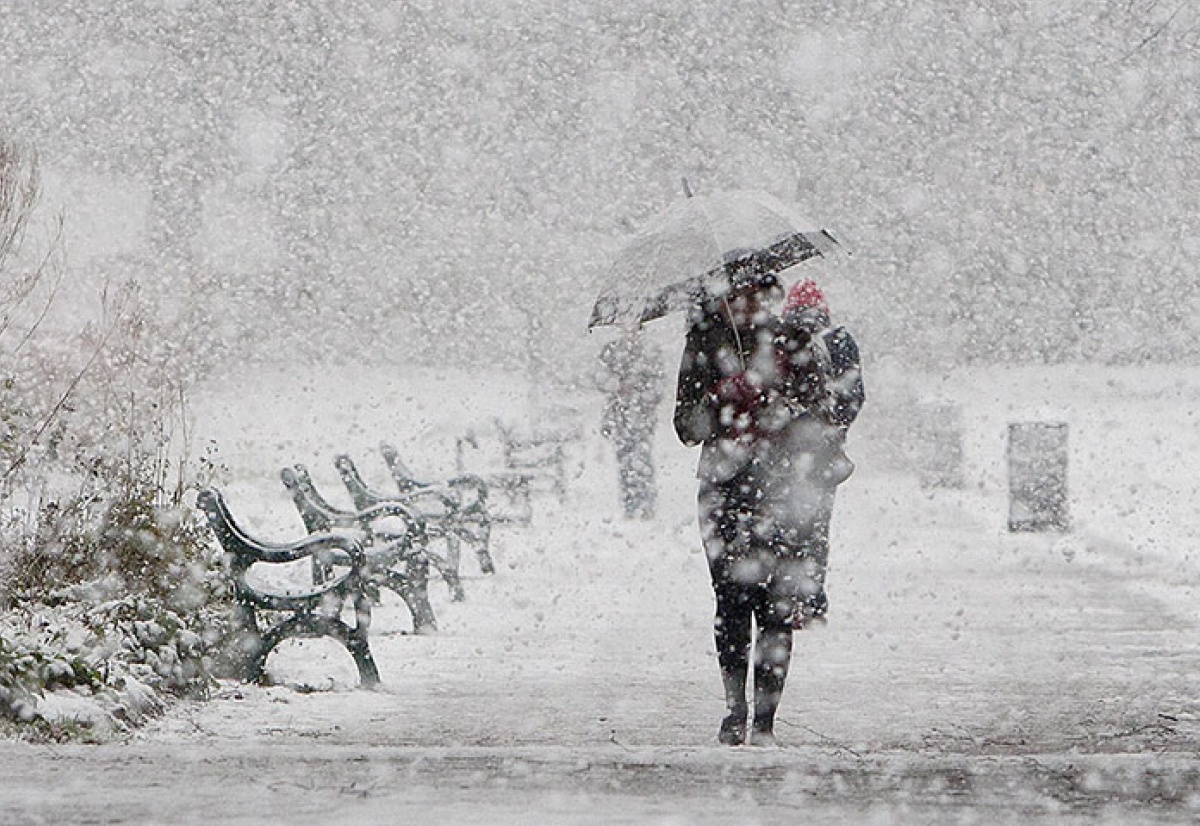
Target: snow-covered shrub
[[108, 584], [28, 670], [77, 669]]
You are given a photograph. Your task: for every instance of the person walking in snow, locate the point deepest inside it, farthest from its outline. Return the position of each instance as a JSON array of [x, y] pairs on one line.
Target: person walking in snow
[[754, 392], [632, 377]]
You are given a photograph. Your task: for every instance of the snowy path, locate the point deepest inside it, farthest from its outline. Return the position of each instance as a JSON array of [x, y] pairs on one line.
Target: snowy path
[[965, 674]]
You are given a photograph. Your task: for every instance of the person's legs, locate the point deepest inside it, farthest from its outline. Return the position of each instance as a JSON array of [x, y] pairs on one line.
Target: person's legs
[[772, 657], [793, 593], [625, 475], [731, 632], [635, 473], [641, 468], [723, 522]]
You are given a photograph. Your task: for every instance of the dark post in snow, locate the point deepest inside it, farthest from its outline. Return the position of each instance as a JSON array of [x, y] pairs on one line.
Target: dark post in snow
[[938, 445], [1037, 476]]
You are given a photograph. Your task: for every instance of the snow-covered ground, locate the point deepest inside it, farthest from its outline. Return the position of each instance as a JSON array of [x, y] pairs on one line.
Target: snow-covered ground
[[967, 675]]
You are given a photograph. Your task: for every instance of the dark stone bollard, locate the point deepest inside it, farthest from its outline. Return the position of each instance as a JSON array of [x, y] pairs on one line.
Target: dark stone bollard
[[938, 444], [1037, 476]]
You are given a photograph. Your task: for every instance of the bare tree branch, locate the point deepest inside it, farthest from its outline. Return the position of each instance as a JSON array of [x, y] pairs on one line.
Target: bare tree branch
[[113, 324], [1162, 27], [20, 188], [40, 273]]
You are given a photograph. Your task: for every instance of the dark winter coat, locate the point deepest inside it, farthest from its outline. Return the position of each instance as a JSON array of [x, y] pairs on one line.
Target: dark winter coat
[[770, 400], [724, 376]]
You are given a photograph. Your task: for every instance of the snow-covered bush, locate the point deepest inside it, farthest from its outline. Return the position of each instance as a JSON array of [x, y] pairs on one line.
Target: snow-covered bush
[[80, 668], [107, 583], [29, 669]]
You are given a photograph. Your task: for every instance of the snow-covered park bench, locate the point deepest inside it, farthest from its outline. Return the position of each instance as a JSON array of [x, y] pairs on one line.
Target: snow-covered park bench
[[393, 538], [469, 492], [300, 609], [540, 456], [453, 513], [517, 464]]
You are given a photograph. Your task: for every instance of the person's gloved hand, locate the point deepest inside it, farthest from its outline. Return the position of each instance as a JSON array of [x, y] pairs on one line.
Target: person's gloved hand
[[743, 390], [738, 399]]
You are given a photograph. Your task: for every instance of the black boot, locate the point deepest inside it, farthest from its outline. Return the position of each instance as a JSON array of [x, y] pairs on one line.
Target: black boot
[[731, 633], [771, 660], [733, 727]]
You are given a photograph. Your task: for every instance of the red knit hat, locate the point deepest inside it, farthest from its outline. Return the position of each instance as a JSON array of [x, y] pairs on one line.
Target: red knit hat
[[804, 294]]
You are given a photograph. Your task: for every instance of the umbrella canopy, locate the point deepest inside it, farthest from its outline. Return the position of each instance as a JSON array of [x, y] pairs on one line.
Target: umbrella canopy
[[698, 248]]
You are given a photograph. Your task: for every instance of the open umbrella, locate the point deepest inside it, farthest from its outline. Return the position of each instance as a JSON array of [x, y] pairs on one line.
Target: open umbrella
[[698, 248]]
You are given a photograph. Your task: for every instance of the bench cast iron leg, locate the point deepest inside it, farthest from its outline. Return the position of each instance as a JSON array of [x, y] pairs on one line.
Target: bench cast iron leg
[[413, 588]]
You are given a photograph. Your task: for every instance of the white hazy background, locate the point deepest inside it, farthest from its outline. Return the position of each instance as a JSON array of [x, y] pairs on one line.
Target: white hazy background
[[440, 183]]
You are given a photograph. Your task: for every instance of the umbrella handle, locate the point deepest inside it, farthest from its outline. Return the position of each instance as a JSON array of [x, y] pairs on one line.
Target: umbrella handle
[[737, 337]]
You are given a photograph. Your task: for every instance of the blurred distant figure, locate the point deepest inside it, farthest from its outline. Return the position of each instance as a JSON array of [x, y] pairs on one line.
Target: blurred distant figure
[[632, 376]]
